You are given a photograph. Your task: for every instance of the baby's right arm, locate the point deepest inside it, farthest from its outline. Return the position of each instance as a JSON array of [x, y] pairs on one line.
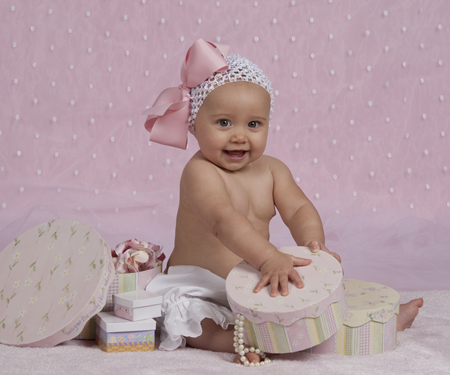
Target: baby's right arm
[[209, 199]]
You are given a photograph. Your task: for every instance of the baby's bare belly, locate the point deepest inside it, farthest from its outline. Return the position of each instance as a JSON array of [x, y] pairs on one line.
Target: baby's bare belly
[[195, 245], [219, 261], [202, 249]]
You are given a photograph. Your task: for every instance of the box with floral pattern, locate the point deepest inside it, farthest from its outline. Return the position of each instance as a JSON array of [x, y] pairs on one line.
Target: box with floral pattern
[[115, 334], [53, 279], [300, 320]]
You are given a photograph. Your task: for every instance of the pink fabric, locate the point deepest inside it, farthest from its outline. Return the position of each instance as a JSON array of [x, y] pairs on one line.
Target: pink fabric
[[361, 118]]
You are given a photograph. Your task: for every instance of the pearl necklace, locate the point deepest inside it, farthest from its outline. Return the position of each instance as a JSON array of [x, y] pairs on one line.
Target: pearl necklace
[[239, 344]]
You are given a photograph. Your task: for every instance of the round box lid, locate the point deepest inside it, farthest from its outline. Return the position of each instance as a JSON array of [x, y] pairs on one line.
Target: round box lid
[[53, 279], [369, 301], [323, 285]]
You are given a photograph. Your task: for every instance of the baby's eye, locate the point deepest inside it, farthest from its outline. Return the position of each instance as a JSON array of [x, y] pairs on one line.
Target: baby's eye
[[253, 124], [224, 123]]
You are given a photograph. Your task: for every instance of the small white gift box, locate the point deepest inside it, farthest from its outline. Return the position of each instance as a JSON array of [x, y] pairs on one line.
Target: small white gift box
[[114, 334], [121, 283], [137, 305]]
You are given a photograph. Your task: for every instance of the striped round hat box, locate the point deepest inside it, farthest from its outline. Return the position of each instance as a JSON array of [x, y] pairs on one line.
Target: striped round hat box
[[371, 325], [304, 318]]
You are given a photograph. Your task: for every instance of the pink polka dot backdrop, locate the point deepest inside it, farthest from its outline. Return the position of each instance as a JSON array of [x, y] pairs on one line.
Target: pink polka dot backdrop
[[361, 118]]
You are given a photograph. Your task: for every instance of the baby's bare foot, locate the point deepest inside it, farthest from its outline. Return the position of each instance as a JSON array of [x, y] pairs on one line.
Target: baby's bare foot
[[407, 314], [251, 357]]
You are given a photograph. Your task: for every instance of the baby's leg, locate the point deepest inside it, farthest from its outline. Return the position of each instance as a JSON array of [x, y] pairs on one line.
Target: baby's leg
[[407, 314], [217, 339]]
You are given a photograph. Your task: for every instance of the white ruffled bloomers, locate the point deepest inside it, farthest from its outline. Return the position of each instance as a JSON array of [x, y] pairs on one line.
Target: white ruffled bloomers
[[190, 294]]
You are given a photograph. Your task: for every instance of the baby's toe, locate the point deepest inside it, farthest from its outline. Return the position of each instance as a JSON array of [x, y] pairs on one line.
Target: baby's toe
[[251, 358]]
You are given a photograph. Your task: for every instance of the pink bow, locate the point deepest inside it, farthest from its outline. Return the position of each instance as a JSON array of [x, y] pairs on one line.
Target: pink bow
[[167, 119]]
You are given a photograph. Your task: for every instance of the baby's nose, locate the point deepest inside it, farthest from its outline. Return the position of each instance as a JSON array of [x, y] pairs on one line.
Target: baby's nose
[[239, 136]]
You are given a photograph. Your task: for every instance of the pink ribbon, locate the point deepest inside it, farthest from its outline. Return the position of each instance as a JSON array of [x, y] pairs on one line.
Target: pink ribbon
[[167, 119]]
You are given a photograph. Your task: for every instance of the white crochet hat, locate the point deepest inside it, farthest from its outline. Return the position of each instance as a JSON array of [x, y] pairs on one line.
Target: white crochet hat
[[239, 69]]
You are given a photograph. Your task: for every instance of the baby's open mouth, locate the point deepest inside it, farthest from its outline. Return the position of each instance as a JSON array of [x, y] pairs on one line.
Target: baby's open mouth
[[236, 153]]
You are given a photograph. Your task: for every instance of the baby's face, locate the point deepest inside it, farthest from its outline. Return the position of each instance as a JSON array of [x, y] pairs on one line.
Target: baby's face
[[232, 125]]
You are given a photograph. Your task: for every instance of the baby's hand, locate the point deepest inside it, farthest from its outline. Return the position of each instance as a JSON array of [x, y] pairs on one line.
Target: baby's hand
[[278, 270], [315, 246]]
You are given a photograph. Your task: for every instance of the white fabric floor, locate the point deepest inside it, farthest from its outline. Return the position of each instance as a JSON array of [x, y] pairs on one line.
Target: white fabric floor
[[423, 349]]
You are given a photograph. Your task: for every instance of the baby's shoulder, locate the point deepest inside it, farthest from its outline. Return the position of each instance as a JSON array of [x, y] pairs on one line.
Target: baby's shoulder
[[271, 162], [198, 162], [198, 167], [277, 169]]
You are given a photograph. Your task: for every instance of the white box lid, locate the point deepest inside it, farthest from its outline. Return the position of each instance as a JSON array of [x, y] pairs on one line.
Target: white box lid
[[111, 323], [137, 298]]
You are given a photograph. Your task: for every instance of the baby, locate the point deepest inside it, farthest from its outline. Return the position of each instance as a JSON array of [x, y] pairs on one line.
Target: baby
[[228, 193]]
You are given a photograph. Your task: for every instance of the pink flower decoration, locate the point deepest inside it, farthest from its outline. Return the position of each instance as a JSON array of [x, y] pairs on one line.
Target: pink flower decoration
[[138, 245], [135, 256]]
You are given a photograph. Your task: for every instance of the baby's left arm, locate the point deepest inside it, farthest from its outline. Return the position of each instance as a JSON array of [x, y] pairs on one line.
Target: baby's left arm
[[296, 210]]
